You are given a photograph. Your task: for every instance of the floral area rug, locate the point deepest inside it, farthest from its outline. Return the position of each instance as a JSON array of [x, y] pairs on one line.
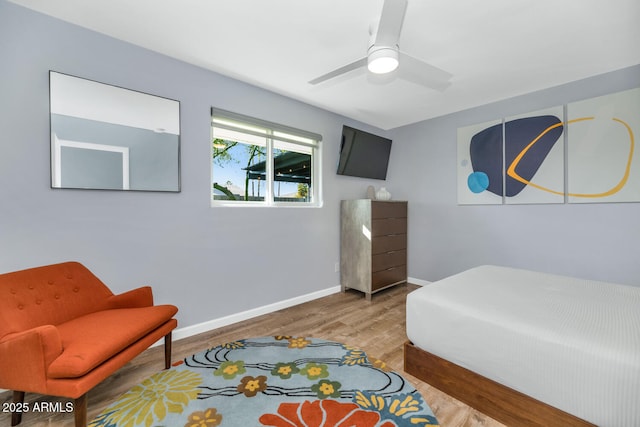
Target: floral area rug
[[272, 381]]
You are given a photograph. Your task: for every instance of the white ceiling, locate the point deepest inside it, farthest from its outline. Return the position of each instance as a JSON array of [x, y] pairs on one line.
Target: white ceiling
[[495, 49]]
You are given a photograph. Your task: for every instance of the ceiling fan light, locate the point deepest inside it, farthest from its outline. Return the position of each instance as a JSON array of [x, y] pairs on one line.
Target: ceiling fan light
[[383, 60]]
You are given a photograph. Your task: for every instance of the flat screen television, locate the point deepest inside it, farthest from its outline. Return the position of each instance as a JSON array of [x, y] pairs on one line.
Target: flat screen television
[[363, 154]]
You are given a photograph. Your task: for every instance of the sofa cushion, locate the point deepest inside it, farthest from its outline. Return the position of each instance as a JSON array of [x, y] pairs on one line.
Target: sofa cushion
[[91, 339]]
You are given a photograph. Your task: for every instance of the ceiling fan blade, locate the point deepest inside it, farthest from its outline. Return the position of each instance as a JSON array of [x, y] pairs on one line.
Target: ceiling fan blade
[[419, 72], [390, 24], [342, 70]]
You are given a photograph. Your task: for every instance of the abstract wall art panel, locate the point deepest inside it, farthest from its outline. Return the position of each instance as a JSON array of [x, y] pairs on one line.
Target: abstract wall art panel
[[480, 164], [534, 157], [589, 156], [603, 162]]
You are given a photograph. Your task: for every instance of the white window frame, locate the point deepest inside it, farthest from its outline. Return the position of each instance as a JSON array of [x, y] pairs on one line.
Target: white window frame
[[271, 132]]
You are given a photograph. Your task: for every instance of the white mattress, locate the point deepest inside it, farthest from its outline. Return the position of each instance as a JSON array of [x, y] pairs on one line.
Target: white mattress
[[571, 343]]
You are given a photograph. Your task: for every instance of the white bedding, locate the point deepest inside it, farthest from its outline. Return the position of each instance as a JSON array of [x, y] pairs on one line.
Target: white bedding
[[571, 343]]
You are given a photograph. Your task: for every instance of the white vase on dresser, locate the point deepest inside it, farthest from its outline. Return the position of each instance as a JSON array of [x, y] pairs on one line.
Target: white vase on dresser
[[383, 194]]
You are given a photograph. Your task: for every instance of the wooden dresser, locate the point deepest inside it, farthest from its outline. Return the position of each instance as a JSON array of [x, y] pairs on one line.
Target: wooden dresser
[[373, 244]]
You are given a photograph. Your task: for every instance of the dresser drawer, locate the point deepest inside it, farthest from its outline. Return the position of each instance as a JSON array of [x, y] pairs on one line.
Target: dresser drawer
[[384, 226], [387, 260], [383, 244], [388, 209], [383, 278]]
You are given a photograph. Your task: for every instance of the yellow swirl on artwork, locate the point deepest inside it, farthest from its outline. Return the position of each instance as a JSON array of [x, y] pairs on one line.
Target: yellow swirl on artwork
[[511, 171]]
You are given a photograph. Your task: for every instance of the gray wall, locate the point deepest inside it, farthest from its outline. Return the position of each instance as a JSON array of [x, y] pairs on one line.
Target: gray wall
[[210, 262], [596, 241]]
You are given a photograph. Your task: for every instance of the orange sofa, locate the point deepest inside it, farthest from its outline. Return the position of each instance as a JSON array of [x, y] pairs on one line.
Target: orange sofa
[[62, 331]]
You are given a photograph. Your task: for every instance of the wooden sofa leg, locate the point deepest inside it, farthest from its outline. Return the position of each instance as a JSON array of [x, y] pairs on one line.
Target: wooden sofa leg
[[80, 411], [167, 351], [18, 400]]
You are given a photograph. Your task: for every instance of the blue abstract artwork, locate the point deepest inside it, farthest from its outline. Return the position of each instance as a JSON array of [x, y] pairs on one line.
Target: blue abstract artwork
[[589, 156]]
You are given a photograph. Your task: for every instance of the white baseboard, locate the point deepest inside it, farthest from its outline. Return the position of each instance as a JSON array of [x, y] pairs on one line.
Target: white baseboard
[[419, 282], [209, 325]]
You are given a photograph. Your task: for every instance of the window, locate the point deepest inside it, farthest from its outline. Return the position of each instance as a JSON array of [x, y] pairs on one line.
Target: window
[[255, 162]]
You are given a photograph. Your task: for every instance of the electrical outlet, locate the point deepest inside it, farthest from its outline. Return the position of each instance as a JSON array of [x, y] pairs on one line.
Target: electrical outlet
[[336, 267]]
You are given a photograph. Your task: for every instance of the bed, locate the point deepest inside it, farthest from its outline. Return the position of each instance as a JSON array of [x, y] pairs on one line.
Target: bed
[[529, 348]]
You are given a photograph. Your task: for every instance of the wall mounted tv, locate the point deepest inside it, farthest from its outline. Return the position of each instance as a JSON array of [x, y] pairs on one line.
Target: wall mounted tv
[[363, 154]]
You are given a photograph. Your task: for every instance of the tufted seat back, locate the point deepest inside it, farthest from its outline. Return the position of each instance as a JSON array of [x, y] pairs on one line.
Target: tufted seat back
[[48, 295]]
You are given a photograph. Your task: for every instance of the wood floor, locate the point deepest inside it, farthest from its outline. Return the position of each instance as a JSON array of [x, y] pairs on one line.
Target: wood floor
[[376, 326]]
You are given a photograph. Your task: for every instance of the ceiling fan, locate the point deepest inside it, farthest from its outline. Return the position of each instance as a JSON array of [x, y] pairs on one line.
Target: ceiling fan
[[384, 56]]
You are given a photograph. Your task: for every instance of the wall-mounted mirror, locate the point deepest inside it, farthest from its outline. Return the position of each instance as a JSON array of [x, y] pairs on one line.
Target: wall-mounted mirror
[[109, 138]]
